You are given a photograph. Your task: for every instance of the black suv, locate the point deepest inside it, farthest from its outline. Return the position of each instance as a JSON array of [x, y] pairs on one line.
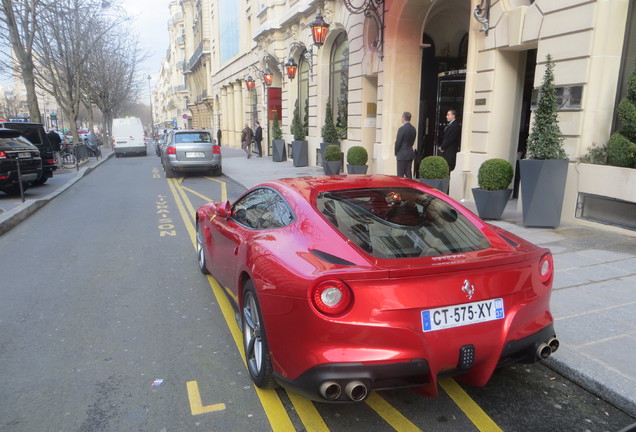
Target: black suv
[[14, 151], [36, 135]]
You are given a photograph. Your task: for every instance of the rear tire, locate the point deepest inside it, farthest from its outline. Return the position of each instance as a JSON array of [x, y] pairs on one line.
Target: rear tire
[[259, 363], [201, 251], [169, 171]]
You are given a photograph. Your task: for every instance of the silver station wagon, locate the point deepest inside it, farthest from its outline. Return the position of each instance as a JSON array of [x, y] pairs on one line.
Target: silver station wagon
[[190, 150]]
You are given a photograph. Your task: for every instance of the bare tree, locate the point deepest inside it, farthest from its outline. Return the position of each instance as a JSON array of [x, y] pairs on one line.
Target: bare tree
[[112, 78], [70, 31], [18, 25]]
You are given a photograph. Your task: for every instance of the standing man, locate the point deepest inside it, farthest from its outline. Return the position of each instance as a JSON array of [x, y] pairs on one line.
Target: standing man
[[258, 137], [404, 147], [218, 135], [452, 137], [246, 140], [56, 141]]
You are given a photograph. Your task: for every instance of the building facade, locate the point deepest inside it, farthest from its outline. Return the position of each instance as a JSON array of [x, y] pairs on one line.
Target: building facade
[[381, 58]]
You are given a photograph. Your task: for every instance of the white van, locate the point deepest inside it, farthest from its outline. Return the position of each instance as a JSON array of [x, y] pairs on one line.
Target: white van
[[128, 136]]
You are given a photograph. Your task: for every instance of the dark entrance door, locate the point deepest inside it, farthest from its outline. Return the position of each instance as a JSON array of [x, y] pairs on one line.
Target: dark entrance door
[[450, 95]]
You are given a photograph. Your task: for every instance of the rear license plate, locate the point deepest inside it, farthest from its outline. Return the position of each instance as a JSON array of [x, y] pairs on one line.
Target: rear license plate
[[25, 155], [195, 154], [461, 315]]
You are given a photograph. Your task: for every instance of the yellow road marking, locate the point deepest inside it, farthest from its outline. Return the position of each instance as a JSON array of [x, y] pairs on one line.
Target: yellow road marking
[[195, 401], [309, 415], [192, 191], [223, 188], [391, 415], [272, 405], [473, 411]]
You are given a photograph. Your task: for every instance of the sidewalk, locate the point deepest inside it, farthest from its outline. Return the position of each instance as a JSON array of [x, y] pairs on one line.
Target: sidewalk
[[594, 291], [594, 298]]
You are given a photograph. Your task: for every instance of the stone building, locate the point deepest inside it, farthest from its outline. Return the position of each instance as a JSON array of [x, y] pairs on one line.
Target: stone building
[[383, 57]]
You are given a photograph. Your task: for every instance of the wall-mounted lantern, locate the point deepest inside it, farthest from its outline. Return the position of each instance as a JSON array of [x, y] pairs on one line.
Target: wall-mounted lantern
[[249, 83], [291, 67], [268, 77], [319, 30]]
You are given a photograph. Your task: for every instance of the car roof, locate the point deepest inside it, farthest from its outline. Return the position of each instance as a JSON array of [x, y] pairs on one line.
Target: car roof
[[9, 133], [190, 131], [308, 186]]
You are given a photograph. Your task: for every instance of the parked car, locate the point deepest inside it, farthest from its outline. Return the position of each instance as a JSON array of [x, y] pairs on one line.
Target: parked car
[[348, 284], [188, 150], [35, 133], [128, 137], [16, 150]]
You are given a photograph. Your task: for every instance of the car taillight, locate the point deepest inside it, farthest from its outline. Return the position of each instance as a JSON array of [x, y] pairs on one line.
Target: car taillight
[[171, 150], [546, 268], [3, 155], [331, 297], [216, 149]]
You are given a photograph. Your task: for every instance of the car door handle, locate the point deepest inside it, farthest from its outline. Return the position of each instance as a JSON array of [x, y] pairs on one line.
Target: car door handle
[[236, 250]]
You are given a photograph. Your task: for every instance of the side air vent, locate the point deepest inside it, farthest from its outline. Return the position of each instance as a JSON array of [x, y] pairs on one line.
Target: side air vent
[[331, 259]]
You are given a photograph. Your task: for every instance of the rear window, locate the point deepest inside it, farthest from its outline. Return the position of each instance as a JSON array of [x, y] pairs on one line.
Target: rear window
[[400, 222], [189, 137], [17, 143]]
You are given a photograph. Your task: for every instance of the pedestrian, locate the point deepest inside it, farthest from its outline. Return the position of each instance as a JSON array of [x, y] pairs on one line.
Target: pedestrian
[[451, 141], [246, 140], [258, 137], [56, 145], [404, 152], [218, 135]]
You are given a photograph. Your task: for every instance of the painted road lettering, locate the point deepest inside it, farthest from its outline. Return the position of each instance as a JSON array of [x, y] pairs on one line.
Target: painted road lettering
[[166, 224], [196, 406]]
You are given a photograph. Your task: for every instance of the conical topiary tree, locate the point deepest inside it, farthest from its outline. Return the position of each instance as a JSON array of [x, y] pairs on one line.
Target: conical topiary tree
[[545, 140], [621, 148], [329, 132], [297, 126], [277, 132]]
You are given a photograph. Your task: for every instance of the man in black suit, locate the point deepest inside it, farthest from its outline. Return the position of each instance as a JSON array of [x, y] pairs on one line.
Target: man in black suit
[[258, 137], [452, 137], [404, 147]]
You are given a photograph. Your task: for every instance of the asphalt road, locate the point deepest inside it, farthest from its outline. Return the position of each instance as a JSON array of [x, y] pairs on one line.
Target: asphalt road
[[106, 324]]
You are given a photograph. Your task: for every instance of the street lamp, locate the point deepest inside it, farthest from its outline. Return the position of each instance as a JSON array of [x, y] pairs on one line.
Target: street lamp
[[152, 121], [249, 83], [268, 77]]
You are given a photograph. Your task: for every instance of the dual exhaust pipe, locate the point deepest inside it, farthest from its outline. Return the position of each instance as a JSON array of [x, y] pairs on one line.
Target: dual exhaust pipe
[[546, 349], [355, 390]]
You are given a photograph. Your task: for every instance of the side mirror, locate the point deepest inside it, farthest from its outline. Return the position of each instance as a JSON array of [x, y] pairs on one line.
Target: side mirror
[[223, 210]]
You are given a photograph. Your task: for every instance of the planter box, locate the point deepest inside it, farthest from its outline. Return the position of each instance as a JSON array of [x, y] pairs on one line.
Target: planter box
[[357, 169], [491, 204], [323, 146], [609, 181], [278, 151], [542, 191], [439, 184], [300, 153], [332, 167]]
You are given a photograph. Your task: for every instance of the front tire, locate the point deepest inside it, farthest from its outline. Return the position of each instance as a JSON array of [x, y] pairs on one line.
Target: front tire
[[259, 363], [201, 251]]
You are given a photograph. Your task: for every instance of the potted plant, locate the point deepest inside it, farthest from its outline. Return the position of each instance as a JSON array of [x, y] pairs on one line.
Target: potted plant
[[299, 145], [278, 143], [544, 172], [434, 172], [333, 160], [492, 195], [329, 132], [357, 158]]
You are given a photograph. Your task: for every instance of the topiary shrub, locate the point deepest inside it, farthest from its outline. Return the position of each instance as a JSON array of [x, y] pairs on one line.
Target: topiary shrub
[[277, 132], [545, 140], [297, 127], [434, 167], [495, 174], [329, 132], [332, 153], [621, 152], [357, 155]]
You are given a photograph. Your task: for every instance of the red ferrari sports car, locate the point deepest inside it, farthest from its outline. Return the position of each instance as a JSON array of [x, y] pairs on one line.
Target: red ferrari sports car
[[347, 284]]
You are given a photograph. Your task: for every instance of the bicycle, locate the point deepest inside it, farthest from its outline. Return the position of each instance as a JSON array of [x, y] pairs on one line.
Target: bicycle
[[67, 158]]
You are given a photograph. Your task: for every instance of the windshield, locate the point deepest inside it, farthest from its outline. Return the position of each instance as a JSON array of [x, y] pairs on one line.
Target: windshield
[[400, 222]]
